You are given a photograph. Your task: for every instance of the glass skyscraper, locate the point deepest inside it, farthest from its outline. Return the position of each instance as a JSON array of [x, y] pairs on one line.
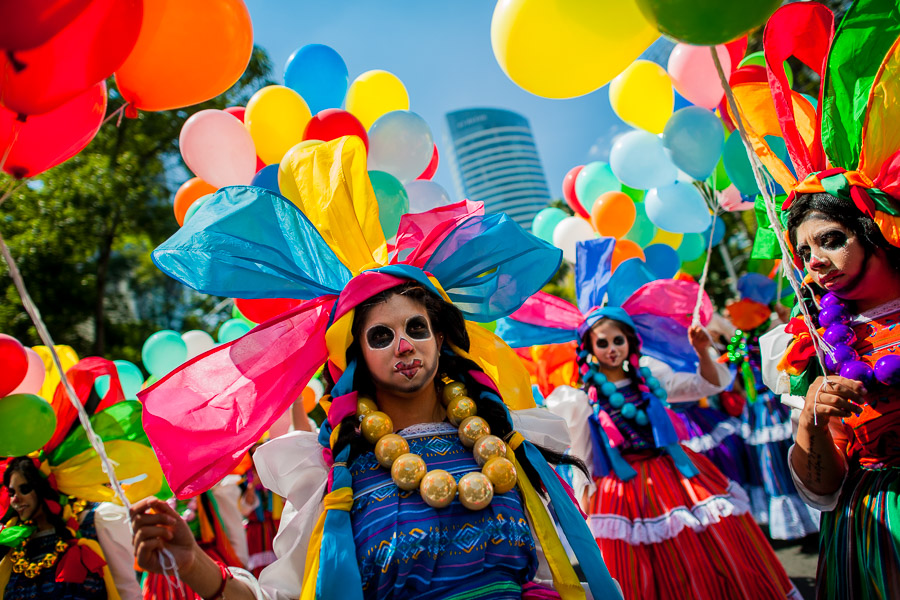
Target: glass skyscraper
[[495, 161]]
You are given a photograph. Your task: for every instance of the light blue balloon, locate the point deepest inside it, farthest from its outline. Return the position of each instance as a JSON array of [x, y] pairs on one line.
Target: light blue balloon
[[594, 180], [163, 351], [130, 377], [231, 330], [694, 138], [318, 73], [812, 100], [267, 178], [393, 201], [678, 208], [737, 165], [400, 143], [717, 230], [643, 230], [195, 206], [546, 221], [662, 260], [639, 160], [691, 247]]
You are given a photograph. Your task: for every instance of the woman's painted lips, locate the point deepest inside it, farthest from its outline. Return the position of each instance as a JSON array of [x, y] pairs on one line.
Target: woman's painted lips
[[409, 369]]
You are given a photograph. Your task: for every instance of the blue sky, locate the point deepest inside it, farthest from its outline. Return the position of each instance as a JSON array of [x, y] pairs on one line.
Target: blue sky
[[442, 53]]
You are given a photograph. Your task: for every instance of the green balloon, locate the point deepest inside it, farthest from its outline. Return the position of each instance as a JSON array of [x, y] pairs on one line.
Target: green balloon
[[546, 221], [759, 59], [707, 22], [636, 195], [237, 314], [643, 231], [393, 201], [721, 177], [694, 267], [195, 206], [27, 422]]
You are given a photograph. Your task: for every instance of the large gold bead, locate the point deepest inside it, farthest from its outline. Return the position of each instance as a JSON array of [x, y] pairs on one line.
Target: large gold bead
[[472, 429], [487, 448], [502, 474], [475, 491], [453, 390], [389, 448], [61, 546], [376, 425], [408, 471], [460, 408], [20, 566], [365, 406], [438, 488]]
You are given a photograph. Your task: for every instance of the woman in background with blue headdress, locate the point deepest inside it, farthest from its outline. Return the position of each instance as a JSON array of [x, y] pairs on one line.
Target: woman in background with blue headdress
[[669, 524]]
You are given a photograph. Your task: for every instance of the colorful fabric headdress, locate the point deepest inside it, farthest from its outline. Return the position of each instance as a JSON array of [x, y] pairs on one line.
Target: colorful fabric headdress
[[850, 146], [248, 242]]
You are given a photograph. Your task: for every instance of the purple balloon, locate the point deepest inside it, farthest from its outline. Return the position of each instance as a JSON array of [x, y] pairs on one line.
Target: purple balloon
[[830, 299], [858, 371], [839, 334], [833, 314], [887, 369]]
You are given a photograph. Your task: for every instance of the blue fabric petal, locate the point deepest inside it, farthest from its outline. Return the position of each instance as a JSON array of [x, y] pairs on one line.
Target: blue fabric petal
[[757, 287], [593, 270], [605, 457], [489, 266], [682, 461], [248, 242], [628, 278], [666, 340], [522, 335]]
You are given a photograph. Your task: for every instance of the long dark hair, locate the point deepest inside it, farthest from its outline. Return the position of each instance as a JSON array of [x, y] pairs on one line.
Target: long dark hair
[[447, 320], [24, 466]]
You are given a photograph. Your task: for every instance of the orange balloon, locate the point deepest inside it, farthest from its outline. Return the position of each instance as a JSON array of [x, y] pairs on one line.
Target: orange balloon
[[187, 52], [625, 249], [309, 399], [189, 191], [613, 214]]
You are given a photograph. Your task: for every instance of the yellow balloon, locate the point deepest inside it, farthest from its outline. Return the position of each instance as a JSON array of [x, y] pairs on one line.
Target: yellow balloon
[[286, 182], [373, 94], [276, 116], [642, 96], [668, 238], [68, 358], [567, 48]]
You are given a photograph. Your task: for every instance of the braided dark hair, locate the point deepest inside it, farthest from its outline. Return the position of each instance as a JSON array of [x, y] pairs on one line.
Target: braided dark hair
[[445, 319]]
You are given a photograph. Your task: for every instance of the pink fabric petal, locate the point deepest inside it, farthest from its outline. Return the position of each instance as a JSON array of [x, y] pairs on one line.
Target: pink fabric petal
[[609, 428], [547, 310], [888, 179], [203, 416], [421, 233], [669, 298]]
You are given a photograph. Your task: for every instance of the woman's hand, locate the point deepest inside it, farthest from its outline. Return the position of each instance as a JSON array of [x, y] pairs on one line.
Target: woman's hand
[[699, 339], [156, 527], [837, 397]]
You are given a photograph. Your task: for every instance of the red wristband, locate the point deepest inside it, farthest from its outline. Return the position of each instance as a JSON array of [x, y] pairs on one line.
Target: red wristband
[[226, 575]]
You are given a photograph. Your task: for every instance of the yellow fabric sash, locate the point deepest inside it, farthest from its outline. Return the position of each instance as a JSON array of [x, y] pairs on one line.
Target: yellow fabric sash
[[339, 499], [564, 578]]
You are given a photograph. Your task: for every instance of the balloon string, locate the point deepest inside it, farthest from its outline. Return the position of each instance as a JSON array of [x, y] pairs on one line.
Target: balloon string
[[695, 318], [12, 190], [116, 114], [17, 127], [763, 183]]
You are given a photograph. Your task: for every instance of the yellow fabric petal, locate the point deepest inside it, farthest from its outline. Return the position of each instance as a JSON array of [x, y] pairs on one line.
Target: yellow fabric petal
[[565, 581], [501, 364], [881, 136], [754, 102], [68, 358], [337, 197], [338, 338], [82, 476], [5, 572], [889, 226], [339, 499]]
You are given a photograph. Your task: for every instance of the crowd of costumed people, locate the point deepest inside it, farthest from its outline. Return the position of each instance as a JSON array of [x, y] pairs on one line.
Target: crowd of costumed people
[[398, 408]]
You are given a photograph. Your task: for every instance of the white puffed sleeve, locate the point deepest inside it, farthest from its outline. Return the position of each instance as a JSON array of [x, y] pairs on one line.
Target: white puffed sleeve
[[227, 494], [291, 466], [114, 535], [575, 409], [686, 387], [772, 346]]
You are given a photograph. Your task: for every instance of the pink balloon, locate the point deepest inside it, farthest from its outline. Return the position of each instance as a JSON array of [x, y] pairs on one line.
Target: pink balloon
[[34, 377], [218, 148], [730, 199], [694, 73]]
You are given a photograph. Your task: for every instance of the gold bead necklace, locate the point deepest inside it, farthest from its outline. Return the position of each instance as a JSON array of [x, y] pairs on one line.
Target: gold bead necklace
[[32, 569]]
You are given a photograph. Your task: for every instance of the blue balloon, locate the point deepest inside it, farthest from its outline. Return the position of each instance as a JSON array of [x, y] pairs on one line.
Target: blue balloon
[[717, 230], [662, 260], [594, 180], [678, 208], [130, 377], [694, 138], [267, 178], [319, 74], [640, 161], [546, 221]]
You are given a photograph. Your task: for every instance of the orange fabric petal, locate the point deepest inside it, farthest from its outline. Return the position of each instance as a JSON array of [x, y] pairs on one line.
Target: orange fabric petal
[[881, 136]]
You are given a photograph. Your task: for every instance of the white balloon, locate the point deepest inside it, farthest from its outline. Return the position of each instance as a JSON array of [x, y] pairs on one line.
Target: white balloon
[[569, 232], [425, 195], [197, 342], [317, 386], [400, 143]]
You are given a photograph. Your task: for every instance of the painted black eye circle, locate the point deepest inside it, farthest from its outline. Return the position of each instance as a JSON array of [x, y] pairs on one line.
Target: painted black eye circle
[[379, 337], [619, 340], [603, 344], [417, 328]]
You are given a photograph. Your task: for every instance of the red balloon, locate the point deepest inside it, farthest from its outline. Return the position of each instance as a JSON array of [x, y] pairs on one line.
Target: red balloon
[[431, 169], [24, 25], [15, 364], [40, 142], [260, 310], [83, 53], [569, 193], [332, 123]]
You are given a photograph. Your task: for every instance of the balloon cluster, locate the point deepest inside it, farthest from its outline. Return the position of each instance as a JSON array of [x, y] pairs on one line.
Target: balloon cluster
[[57, 56], [257, 144], [27, 420]]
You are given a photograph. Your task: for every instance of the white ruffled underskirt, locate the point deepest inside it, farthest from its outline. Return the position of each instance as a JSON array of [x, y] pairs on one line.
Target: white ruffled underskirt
[[766, 435], [788, 517], [708, 441], [668, 525]]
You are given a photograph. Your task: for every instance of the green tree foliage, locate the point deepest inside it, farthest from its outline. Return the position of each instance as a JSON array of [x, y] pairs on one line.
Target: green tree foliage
[[82, 233]]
